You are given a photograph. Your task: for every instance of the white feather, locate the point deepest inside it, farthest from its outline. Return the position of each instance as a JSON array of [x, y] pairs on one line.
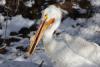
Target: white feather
[[69, 51]]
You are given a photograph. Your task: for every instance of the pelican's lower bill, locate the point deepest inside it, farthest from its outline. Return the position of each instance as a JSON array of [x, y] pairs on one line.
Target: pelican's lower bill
[[37, 37]]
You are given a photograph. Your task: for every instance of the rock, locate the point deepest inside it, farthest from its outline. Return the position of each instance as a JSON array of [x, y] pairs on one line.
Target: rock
[[34, 27], [3, 48], [24, 31], [13, 33]]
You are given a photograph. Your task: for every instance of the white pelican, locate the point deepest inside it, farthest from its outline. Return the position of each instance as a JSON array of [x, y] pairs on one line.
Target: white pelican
[[69, 51]]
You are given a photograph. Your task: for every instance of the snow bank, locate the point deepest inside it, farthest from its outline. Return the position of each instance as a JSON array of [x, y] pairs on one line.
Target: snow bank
[[2, 2], [30, 3], [18, 64], [1, 18], [95, 2], [16, 23]]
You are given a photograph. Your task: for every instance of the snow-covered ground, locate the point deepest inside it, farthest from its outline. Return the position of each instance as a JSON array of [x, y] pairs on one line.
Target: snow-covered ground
[[29, 3], [14, 55], [15, 24], [2, 2], [95, 2]]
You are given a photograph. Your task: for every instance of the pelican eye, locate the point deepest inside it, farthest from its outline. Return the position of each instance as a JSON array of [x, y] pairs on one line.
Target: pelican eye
[[46, 16]]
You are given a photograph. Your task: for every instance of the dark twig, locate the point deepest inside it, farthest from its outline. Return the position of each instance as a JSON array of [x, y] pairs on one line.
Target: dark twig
[[18, 2], [41, 64]]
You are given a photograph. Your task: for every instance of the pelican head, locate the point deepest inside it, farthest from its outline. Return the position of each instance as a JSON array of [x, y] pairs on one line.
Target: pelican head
[[50, 21], [51, 12]]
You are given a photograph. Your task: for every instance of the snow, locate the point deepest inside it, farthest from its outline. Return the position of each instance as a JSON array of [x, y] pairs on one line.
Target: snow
[[18, 64], [29, 3], [88, 28], [82, 11], [13, 60], [76, 6], [24, 42], [95, 2], [14, 25], [2, 2], [1, 18]]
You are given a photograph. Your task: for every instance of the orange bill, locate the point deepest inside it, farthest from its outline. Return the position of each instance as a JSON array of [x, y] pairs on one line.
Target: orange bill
[[38, 36]]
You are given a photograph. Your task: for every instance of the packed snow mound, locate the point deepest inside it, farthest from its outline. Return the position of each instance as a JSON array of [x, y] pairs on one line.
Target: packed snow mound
[[29, 3], [2, 2], [18, 64], [95, 2]]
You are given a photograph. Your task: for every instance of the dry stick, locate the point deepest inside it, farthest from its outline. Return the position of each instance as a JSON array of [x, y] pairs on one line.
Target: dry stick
[[7, 8], [41, 64], [17, 6], [5, 32]]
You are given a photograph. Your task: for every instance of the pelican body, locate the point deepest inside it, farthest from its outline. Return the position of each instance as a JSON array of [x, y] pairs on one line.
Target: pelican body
[[69, 51]]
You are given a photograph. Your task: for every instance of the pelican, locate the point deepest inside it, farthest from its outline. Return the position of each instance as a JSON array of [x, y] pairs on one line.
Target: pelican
[[69, 51]]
